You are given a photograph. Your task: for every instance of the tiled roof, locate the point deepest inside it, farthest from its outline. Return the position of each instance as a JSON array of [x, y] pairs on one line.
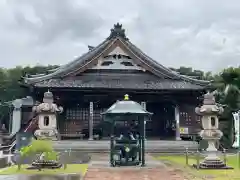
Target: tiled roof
[[117, 33], [122, 81]]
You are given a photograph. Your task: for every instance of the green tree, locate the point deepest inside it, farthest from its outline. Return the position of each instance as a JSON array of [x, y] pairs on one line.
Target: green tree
[[227, 85], [43, 147]]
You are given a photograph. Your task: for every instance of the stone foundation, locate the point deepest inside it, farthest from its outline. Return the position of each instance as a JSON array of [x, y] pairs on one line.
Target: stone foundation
[[212, 164], [47, 134]]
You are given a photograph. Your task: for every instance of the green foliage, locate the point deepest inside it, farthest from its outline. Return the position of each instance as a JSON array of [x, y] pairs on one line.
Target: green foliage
[[53, 155], [25, 151], [39, 147], [227, 84]]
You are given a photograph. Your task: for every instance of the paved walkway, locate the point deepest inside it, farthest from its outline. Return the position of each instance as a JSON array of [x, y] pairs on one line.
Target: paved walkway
[[155, 170], [132, 174]]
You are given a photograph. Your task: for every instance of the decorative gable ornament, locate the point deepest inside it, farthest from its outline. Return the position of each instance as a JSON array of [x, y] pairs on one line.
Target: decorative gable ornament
[[117, 31]]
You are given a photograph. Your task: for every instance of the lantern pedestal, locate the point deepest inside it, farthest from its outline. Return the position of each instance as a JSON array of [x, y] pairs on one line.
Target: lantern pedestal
[[212, 161], [213, 164]]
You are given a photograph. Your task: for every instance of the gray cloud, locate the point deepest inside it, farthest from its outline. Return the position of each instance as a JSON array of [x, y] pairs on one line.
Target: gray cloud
[[202, 34], [49, 21]]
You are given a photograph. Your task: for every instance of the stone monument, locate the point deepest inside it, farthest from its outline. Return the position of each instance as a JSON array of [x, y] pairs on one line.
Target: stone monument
[[210, 112], [47, 118]]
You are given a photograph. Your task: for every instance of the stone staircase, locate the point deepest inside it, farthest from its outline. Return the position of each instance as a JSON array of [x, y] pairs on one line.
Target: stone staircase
[[152, 146]]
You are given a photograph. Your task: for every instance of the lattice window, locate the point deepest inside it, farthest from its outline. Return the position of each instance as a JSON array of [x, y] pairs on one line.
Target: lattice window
[[185, 118], [76, 120], [97, 117]]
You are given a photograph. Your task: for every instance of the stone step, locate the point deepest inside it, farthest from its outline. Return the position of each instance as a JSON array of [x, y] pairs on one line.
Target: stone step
[[176, 151], [107, 143], [104, 146]]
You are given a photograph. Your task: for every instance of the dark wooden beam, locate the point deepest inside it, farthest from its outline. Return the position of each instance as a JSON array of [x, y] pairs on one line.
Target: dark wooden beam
[[68, 96]]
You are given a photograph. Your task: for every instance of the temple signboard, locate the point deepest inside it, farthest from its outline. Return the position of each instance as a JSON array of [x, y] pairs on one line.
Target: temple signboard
[[236, 117]]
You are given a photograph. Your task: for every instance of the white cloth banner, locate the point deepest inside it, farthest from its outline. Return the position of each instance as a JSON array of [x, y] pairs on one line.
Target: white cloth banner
[[16, 121], [236, 117]]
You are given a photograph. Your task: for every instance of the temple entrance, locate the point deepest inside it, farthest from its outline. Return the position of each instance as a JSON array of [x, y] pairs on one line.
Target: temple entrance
[[162, 124]]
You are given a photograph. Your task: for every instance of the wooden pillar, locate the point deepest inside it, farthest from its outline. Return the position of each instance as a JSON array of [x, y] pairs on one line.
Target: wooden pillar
[[177, 120], [144, 105], [143, 135], [90, 122], [142, 138], [61, 120]]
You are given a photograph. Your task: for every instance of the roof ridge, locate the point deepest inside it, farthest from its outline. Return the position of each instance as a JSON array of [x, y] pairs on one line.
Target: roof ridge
[[195, 80]]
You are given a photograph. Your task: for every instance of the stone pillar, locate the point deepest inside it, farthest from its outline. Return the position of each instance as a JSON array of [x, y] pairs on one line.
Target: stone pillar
[[16, 116], [177, 120], [144, 105], [90, 122]]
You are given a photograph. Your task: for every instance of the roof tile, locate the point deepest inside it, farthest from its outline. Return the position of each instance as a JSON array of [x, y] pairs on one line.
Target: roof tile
[[122, 82]]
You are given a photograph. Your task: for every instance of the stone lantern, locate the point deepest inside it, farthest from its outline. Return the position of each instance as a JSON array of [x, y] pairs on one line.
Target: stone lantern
[[47, 118], [210, 112]]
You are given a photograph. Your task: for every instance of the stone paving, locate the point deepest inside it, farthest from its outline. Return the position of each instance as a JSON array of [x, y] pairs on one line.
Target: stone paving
[[103, 146], [155, 170], [133, 174]]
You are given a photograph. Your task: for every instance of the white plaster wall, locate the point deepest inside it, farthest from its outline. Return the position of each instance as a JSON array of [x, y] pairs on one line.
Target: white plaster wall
[[117, 51], [16, 121]]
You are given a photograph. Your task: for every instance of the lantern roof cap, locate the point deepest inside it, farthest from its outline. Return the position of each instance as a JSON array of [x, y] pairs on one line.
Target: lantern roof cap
[[126, 106]]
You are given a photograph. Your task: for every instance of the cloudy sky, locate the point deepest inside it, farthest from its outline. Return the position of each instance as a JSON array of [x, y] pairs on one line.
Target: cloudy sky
[[204, 34]]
